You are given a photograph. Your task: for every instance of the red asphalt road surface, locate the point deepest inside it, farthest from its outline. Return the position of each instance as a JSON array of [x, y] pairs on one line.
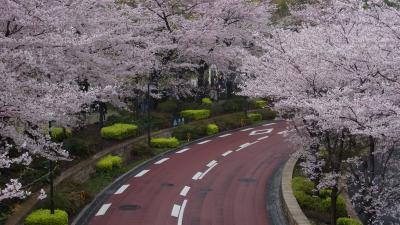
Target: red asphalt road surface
[[232, 193]]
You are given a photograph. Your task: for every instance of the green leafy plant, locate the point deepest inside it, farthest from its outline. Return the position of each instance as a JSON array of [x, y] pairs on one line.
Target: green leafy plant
[[206, 101], [190, 131], [254, 116], [44, 217], [108, 163], [118, 131], [196, 114], [261, 104], [76, 146], [347, 221], [58, 134], [212, 129], [169, 106], [171, 142], [340, 204]]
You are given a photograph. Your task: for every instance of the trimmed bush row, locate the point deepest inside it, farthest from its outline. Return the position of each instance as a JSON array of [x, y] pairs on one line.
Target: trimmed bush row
[[261, 104], [171, 142], [303, 191], [212, 129], [58, 134], [118, 131], [197, 114], [43, 217], [108, 163], [255, 116], [347, 221], [206, 101]]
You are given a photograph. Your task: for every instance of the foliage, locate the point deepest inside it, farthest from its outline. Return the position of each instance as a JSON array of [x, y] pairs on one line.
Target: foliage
[[206, 101], [190, 131], [341, 206], [125, 119], [254, 116], [141, 149], [347, 221], [43, 217], [169, 106], [196, 114], [170, 142], [260, 103], [58, 134], [118, 131], [267, 114], [212, 129], [76, 146], [303, 184], [108, 163], [233, 121]]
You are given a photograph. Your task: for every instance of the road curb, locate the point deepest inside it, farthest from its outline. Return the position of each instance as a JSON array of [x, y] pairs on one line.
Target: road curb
[[90, 209], [290, 206]]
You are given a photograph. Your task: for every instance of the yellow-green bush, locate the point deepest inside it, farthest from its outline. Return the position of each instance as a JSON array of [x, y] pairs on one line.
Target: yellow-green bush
[[347, 221], [206, 101], [212, 129], [44, 217], [303, 184], [118, 131], [197, 114], [108, 163], [340, 206], [261, 104], [58, 134], [171, 142], [255, 116]]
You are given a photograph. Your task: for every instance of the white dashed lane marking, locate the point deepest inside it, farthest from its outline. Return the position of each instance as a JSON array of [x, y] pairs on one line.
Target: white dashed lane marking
[[184, 191], [269, 124], [196, 176], [211, 163], [203, 142], [121, 189], [227, 153], [225, 135], [142, 173], [183, 150], [207, 171], [161, 161], [247, 129], [103, 209], [262, 138], [175, 210]]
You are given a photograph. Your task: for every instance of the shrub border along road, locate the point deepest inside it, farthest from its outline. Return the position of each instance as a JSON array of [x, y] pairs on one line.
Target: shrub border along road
[[90, 209]]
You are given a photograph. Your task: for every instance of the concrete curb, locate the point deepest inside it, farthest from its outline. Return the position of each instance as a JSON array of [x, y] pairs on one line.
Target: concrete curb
[[92, 207], [290, 206]]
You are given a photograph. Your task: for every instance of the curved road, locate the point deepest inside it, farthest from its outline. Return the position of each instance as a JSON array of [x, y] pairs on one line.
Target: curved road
[[217, 181]]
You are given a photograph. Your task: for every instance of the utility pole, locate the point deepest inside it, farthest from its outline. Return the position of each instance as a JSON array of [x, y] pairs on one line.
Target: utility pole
[[148, 114], [51, 179]]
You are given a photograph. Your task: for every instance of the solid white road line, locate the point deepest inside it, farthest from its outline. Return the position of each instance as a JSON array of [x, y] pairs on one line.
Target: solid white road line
[[184, 191], [142, 173], [269, 124], [227, 153], [203, 142], [183, 150], [121, 189], [210, 164], [181, 212], [208, 170], [196, 176], [262, 138], [225, 135], [103, 209], [161, 161], [247, 129], [175, 210]]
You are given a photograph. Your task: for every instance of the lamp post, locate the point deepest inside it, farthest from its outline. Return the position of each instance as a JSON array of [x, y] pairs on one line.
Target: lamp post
[[148, 103], [51, 181]]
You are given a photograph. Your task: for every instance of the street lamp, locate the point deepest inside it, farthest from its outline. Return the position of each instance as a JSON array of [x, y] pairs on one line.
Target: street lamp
[[149, 82], [51, 180]]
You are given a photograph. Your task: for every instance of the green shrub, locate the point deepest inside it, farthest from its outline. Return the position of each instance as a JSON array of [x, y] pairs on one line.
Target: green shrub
[[195, 131], [118, 131], [43, 217], [125, 119], [196, 114], [141, 149], [76, 146], [267, 114], [347, 221], [303, 184], [168, 106], [233, 121], [325, 193], [171, 142], [260, 104], [206, 101], [254, 116], [108, 163], [58, 134], [212, 129], [307, 201], [341, 206]]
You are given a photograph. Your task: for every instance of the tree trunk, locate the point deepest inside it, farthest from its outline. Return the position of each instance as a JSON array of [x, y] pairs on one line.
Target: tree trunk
[[334, 196]]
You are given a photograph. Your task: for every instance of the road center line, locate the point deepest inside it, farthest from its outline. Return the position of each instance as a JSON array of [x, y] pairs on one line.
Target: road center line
[[121, 189], [247, 129], [269, 124], [262, 138], [210, 164], [183, 150], [181, 212], [184, 191], [208, 170], [142, 173], [161, 161], [227, 153], [203, 142], [175, 210], [225, 135], [244, 145], [196, 176], [103, 209]]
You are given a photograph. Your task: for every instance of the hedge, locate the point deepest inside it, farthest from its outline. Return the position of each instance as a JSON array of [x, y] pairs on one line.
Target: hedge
[[58, 134], [261, 104], [171, 142], [44, 217], [206, 101], [118, 131], [347, 221], [267, 114], [108, 163], [196, 114], [195, 131], [212, 129], [76, 146], [254, 116]]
